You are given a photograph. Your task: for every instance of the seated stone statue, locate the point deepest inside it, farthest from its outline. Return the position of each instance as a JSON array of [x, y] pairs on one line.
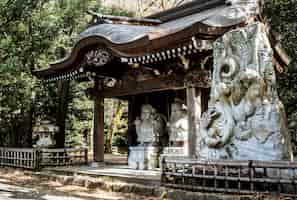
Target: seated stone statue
[[149, 126], [178, 125]]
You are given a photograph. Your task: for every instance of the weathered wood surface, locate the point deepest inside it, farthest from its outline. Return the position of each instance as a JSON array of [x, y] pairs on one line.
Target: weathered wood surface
[[15, 157], [63, 157], [131, 118], [34, 158], [194, 113], [98, 135], [200, 79], [63, 92], [232, 176]]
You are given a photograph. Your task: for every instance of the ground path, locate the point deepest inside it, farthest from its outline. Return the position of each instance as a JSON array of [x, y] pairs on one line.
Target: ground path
[[16, 185]]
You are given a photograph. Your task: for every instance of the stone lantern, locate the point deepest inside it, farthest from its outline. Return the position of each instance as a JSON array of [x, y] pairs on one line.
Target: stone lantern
[[43, 133]]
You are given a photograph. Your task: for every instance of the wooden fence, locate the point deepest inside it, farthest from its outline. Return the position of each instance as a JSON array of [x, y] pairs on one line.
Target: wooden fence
[[34, 158], [241, 177], [63, 157], [24, 158]]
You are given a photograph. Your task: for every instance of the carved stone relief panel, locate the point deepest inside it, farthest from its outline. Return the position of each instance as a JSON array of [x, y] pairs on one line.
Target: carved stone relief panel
[[245, 119]]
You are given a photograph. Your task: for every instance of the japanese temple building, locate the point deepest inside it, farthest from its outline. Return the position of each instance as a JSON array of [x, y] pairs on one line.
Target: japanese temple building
[[160, 58]]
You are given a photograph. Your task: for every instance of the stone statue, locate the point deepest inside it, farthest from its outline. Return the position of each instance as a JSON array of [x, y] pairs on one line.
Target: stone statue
[[249, 104], [245, 119], [217, 124], [44, 133], [178, 124], [149, 127], [45, 141]]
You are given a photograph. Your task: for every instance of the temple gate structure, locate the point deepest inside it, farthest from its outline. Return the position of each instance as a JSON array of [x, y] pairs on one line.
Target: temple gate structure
[[199, 78]]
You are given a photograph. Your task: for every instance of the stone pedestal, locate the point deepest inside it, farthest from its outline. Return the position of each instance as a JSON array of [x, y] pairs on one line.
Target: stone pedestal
[[97, 164], [175, 151], [143, 158]]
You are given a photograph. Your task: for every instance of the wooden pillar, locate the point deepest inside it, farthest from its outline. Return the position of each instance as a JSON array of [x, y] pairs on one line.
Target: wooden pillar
[[63, 90], [194, 114], [98, 130], [131, 118]]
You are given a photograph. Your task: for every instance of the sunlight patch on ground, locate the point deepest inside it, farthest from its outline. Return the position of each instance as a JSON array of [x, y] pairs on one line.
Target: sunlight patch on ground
[[5, 194], [51, 184], [105, 196], [72, 188], [4, 180], [84, 192], [13, 188], [53, 197]]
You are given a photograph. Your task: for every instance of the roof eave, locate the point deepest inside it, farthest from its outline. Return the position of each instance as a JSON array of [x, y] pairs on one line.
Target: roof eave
[[186, 9]]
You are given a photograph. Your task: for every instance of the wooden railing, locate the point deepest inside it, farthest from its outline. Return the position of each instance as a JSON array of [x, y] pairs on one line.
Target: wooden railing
[[63, 157], [35, 158], [16, 157], [241, 177]]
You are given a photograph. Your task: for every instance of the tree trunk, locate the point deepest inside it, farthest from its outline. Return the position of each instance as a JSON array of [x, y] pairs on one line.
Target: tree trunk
[[63, 91], [25, 131], [113, 125]]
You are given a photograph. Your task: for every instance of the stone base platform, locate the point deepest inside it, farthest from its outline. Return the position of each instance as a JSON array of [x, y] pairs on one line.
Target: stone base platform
[[111, 173], [124, 180], [115, 176]]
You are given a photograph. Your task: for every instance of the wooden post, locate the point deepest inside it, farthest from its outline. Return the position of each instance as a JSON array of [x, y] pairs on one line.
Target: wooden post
[[63, 90], [131, 118], [86, 158], [194, 113], [98, 130]]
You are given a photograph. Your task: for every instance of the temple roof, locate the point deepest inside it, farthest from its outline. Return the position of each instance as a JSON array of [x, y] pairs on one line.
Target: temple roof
[[179, 31]]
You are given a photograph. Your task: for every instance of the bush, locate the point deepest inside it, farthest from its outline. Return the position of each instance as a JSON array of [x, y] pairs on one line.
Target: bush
[[119, 141]]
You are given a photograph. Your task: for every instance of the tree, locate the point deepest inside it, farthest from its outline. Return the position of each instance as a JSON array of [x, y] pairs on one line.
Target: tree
[[281, 16], [118, 124], [33, 33]]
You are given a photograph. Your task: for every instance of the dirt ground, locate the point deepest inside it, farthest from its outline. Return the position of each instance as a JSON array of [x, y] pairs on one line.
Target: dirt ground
[[15, 184]]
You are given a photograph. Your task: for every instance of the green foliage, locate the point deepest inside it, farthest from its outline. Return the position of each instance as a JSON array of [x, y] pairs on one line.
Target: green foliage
[[79, 118], [16, 61], [120, 141], [33, 33], [282, 17]]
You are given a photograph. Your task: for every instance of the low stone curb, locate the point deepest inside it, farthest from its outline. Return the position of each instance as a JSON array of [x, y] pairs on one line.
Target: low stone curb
[[161, 193]]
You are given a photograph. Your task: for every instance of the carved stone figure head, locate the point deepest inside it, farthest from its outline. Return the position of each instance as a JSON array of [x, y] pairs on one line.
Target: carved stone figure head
[[253, 84], [178, 110], [147, 112]]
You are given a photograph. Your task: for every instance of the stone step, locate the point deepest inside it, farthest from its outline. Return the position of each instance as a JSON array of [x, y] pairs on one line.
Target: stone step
[[138, 183]]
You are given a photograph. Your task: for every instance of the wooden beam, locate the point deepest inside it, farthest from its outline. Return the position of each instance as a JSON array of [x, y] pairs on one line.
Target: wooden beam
[[98, 134], [194, 113], [63, 92], [131, 118], [199, 79]]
